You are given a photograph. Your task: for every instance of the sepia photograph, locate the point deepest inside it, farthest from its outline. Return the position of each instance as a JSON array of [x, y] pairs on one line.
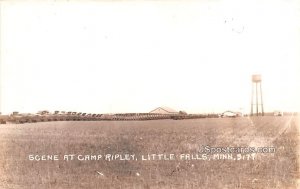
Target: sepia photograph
[[159, 94]]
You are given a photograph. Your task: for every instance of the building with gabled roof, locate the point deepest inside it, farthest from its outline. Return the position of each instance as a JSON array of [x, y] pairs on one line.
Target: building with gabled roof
[[163, 110]]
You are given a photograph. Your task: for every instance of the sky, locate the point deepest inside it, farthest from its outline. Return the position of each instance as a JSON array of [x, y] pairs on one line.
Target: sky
[[135, 56]]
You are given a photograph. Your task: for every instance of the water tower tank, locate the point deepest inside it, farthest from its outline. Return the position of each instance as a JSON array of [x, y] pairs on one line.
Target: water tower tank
[[256, 78]]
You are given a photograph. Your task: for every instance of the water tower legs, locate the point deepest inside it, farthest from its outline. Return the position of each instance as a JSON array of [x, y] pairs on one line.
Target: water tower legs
[[257, 92], [261, 101], [257, 106]]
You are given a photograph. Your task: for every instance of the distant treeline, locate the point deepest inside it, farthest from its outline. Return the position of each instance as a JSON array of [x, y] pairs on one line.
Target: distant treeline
[[46, 116]]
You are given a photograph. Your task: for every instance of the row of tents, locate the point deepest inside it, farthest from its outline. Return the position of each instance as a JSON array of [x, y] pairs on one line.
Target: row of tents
[[46, 116]]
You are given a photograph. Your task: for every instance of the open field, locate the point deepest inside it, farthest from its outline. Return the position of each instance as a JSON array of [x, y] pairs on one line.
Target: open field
[[267, 170]]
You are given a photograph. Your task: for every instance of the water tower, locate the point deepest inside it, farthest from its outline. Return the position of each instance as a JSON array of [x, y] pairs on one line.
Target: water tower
[[257, 105]]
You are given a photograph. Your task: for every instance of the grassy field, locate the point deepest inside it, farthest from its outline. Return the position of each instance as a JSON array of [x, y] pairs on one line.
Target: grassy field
[[268, 170]]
